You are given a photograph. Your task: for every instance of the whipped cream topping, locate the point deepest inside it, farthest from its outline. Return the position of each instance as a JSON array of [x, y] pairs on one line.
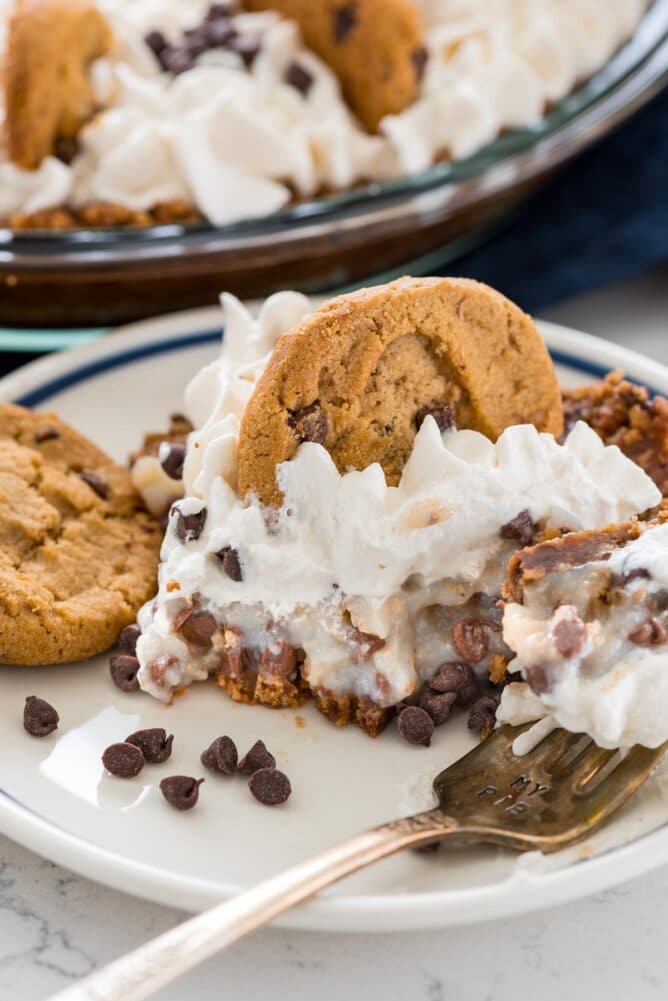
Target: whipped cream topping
[[347, 555], [613, 688], [239, 144]]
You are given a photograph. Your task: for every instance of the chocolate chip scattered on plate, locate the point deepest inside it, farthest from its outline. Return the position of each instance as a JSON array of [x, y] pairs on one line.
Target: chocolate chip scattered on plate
[[154, 744], [181, 791], [123, 670], [221, 756], [258, 757], [123, 760], [39, 717], [415, 725], [269, 786]]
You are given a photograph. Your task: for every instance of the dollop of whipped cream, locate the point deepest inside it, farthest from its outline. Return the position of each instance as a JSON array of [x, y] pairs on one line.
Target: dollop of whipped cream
[[347, 550], [238, 144], [611, 687]]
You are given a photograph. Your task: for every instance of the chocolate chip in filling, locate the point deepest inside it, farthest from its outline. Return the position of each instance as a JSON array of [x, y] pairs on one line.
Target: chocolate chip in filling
[[189, 527], [195, 627], [229, 558], [173, 460], [470, 640], [649, 633], [569, 635], [519, 529]]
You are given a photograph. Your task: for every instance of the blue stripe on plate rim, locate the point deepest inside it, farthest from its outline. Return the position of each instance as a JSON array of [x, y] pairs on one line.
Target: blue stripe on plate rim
[[81, 373]]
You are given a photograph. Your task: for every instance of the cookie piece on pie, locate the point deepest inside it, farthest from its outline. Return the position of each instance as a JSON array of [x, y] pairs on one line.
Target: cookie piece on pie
[[78, 553], [48, 95], [375, 47], [360, 374]]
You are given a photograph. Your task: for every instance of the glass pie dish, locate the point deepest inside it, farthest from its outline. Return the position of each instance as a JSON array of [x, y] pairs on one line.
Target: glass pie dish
[[100, 277]]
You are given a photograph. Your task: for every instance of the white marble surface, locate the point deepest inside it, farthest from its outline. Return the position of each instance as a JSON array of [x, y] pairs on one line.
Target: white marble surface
[[56, 927]]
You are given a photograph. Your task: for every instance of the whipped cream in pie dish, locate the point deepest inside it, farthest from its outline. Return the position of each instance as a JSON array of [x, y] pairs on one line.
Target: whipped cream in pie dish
[[355, 587], [242, 130]]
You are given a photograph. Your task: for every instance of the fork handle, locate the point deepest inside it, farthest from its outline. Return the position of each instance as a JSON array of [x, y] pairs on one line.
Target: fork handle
[[145, 970]]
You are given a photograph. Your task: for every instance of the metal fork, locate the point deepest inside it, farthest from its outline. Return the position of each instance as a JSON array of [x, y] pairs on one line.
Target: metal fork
[[547, 799]]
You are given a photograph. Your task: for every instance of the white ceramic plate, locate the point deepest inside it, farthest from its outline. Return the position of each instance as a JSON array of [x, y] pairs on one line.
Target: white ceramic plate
[[55, 799]]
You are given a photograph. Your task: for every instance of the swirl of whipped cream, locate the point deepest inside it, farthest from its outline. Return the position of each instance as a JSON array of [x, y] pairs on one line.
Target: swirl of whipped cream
[[239, 144]]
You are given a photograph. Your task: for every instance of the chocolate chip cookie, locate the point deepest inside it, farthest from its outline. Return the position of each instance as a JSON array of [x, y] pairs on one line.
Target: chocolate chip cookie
[[78, 554], [361, 373], [375, 47], [48, 95]]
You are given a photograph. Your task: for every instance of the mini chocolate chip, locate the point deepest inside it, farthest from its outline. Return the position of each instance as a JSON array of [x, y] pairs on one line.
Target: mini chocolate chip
[[220, 32], [269, 786], [299, 78], [456, 677], [636, 574], [345, 19], [221, 756], [309, 424], [127, 641], [123, 760], [181, 791], [189, 527], [470, 640], [246, 47], [198, 628], [66, 148], [46, 434], [520, 529], [258, 757], [218, 10], [95, 482], [196, 40], [649, 633], [156, 42], [569, 635], [538, 678], [39, 717], [229, 557], [482, 716], [173, 460], [420, 58], [437, 704], [123, 670], [154, 744], [441, 413], [415, 725], [176, 59]]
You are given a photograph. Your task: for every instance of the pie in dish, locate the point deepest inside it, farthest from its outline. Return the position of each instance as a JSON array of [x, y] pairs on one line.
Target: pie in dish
[[132, 112], [358, 480]]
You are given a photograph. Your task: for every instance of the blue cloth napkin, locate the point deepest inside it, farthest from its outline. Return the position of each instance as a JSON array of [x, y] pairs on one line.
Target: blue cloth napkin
[[602, 219]]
